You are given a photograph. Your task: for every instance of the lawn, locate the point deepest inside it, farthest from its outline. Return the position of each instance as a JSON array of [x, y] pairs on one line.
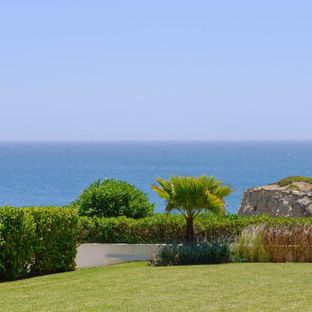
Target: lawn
[[139, 287]]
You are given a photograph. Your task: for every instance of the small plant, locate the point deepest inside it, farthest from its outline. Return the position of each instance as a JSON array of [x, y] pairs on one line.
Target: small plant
[[250, 247], [113, 198], [197, 253], [192, 196]]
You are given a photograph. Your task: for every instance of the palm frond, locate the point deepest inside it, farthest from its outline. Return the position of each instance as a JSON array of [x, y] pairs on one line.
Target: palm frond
[[191, 195]]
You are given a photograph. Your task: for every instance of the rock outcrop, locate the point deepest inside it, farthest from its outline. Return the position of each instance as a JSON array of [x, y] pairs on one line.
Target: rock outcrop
[[293, 200]]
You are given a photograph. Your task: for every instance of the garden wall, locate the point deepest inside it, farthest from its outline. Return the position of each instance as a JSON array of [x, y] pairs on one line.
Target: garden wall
[[92, 255]]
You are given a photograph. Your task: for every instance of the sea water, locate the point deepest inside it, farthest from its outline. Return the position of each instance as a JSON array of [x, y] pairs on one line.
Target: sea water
[[55, 173]]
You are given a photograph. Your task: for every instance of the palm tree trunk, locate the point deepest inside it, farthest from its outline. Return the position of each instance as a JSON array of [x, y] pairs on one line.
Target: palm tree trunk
[[190, 236]]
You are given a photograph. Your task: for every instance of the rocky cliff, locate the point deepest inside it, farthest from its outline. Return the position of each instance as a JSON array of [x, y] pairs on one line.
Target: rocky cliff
[[292, 200]]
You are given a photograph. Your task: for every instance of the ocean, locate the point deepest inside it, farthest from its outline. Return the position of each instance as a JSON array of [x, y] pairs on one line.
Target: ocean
[[55, 173]]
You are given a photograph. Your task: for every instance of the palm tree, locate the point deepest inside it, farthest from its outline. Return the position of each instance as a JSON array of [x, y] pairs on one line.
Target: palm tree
[[191, 196]]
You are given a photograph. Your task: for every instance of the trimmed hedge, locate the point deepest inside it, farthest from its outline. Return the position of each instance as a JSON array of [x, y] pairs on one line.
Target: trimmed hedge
[[155, 229], [37, 241], [162, 228]]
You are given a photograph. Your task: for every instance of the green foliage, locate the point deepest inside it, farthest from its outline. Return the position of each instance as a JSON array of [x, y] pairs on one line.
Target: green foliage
[[290, 180], [202, 253], [250, 245], [191, 196], [36, 241], [113, 198], [163, 228], [154, 229], [17, 236], [56, 240]]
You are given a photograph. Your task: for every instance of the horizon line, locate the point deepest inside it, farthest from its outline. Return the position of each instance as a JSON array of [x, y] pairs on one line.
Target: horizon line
[[159, 141]]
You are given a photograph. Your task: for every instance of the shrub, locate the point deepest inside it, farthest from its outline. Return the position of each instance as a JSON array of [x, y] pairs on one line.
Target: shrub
[[250, 245], [163, 228], [154, 229], [113, 198], [56, 240], [17, 237], [197, 253], [36, 241], [159, 228]]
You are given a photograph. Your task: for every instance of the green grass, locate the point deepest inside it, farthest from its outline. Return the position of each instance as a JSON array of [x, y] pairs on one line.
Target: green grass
[[139, 287], [290, 180]]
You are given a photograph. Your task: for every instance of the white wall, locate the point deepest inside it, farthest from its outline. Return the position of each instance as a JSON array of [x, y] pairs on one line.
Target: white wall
[[92, 255]]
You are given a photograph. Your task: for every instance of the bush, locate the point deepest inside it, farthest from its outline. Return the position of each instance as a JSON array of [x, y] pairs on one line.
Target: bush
[[250, 245], [36, 241], [163, 228], [56, 240], [197, 253], [159, 228], [113, 198], [17, 237], [154, 229]]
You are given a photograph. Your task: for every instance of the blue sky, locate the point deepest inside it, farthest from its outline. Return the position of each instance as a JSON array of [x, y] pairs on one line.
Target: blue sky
[[155, 70]]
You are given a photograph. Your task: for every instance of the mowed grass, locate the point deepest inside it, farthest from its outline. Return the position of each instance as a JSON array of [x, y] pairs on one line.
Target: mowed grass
[[139, 287]]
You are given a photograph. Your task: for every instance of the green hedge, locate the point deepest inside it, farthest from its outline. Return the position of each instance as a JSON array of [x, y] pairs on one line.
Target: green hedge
[[155, 229], [37, 241], [162, 228]]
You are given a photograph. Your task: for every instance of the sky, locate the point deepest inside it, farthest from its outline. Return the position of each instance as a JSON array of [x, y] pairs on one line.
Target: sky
[[155, 70]]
